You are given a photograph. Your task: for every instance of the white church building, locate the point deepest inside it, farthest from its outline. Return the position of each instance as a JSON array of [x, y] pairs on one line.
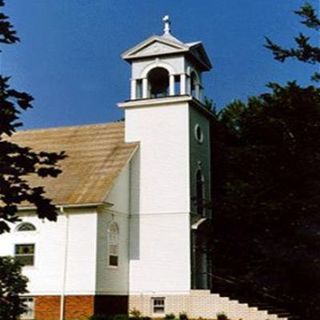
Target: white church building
[[132, 226]]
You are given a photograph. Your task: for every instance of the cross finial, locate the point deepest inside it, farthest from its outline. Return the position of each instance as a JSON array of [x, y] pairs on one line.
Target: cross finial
[[167, 23]]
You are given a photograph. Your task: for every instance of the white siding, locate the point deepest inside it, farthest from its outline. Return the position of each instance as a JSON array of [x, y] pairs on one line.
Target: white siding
[[46, 276], [159, 253], [111, 280], [160, 198], [163, 133], [119, 195], [139, 66]]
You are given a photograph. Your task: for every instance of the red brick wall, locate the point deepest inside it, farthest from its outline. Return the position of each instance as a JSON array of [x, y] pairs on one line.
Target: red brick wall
[[47, 307], [75, 307], [78, 307]]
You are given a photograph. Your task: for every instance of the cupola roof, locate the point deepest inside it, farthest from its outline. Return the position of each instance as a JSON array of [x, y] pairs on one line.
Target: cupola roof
[[166, 44]]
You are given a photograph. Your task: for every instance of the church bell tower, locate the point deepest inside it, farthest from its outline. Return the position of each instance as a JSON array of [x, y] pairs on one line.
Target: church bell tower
[[170, 180]]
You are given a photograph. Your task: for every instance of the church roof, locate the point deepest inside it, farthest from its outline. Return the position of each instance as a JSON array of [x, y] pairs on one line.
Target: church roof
[[96, 154]]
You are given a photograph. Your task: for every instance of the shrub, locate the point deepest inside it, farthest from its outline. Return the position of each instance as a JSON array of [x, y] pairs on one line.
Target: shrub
[[169, 316], [183, 316], [100, 317], [222, 316], [105, 317], [135, 314], [121, 317]]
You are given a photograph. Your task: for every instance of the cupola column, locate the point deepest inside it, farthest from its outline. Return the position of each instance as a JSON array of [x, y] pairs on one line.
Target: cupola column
[[144, 88], [133, 94], [183, 83], [188, 85], [197, 91], [171, 85]]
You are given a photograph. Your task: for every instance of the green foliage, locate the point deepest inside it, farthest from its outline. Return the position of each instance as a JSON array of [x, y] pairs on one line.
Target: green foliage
[[222, 316], [121, 317], [267, 195], [100, 317], [183, 316], [304, 51], [17, 162], [135, 314], [7, 34], [266, 191], [12, 284], [169, 316]]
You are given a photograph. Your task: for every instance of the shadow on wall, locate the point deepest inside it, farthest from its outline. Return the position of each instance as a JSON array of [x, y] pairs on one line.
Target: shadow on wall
[[134, 221]]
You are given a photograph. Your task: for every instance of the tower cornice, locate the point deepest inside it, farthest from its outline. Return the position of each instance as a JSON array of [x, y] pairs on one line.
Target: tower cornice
[[159, 102]]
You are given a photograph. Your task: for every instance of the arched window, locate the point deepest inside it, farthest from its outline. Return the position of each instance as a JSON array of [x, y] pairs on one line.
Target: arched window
[[113, 245], [26, 226], [199, 192], [158, 79]]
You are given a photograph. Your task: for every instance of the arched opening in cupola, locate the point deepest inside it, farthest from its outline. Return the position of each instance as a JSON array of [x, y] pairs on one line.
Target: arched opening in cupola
[[158, 80]]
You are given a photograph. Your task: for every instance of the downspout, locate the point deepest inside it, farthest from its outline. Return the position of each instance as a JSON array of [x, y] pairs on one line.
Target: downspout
[[65, 260]]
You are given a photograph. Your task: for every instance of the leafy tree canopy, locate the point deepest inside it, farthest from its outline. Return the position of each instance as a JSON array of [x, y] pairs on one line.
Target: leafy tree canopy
[[267, 190], [12, 284], [304, 51]]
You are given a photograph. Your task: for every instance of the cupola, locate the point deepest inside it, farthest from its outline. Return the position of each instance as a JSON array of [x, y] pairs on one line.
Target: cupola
[[164, 66]]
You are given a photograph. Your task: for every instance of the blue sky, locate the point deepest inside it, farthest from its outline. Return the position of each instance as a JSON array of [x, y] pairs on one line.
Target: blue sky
[[69, 56]]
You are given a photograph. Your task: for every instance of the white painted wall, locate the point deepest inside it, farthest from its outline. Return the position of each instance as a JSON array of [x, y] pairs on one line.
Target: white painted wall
[[163, 133], [160, 204], [176, 63], [114, 280], [159, 253], [46, 276], [85, 233], [119, 195]]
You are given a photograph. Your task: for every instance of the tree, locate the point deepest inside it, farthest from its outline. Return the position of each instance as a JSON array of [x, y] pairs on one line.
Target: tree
[[305, 51], [16, 164], [12, 284], [267, 192]]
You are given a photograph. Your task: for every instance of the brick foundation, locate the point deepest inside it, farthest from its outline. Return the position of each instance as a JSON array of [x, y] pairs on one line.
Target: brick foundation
[[79, 307], [47, 307]]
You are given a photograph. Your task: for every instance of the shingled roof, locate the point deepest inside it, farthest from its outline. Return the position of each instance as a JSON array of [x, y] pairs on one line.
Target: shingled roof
[[96, 154]]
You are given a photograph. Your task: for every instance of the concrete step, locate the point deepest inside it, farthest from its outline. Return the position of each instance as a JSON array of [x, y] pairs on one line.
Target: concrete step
[[272, 311]]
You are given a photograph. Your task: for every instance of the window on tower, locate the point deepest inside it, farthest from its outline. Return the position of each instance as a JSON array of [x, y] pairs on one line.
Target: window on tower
[[158, 80], [199, 192], [113, 245]]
